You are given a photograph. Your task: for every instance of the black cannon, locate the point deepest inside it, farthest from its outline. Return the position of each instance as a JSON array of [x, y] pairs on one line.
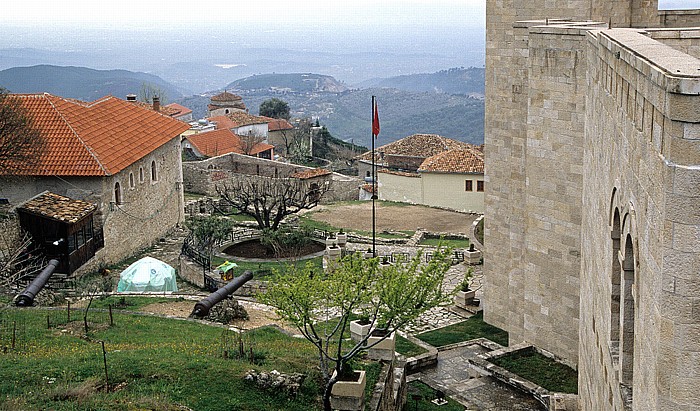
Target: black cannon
[[26, 299], [201, 309]]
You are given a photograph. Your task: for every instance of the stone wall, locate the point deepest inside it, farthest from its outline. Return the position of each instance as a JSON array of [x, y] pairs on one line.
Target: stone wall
[[149, 209], [397, 187], [641, 250], [201, 177]]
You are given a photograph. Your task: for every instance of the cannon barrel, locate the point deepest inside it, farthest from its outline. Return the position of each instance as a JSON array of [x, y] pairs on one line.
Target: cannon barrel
[[26, 298], [201, 309]]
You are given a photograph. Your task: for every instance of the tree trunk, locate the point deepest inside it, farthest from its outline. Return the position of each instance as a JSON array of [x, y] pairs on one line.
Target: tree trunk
[[327, 393]]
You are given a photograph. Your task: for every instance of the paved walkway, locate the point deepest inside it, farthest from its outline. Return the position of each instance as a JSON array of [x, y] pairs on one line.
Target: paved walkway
[[454, 376]]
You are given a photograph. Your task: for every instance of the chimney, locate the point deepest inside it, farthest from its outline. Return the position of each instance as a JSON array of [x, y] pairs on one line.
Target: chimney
[[156, 103], [131, 97]]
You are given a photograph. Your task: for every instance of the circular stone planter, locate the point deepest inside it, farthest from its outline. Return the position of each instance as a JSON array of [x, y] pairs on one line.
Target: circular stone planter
[[221, 252]]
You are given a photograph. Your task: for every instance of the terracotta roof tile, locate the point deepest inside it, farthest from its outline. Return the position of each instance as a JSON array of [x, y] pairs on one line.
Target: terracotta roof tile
[[222, 122], [95, 139], [241, 119], [58, 207], [307, 174], [463, 161], [416, 145], [277, 124], [178, 109], [226, 96], [222, 141], [398, 173]]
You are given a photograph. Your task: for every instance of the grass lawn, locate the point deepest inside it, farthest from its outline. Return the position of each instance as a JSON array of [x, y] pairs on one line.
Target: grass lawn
[[132, 303], [445, 242], [425, 394], [407, 348], [541, 370], [266, 266], [472, 328], [156, 363]]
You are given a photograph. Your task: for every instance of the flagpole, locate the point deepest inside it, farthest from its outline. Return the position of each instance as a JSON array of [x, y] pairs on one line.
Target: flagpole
[[374, 186]]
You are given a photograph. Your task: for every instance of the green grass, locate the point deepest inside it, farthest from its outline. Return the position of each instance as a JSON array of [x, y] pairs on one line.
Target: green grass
[[407, 348], [267, 265], [160, 362], [427, 394], [132, 303], [541, 370], [472, 328], [445, 242]]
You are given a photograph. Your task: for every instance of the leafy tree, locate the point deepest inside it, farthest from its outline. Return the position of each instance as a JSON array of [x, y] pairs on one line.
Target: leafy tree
[[287, 241], [270, 200], [208, 230], [296, 142], [275, 108], [391, 297], [21, 145]]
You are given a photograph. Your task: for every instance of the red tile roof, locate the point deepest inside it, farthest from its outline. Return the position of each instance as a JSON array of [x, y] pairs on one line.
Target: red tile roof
[[307, 174], [178, 110], [241, 119], [95, 139], [463, 161], [58, 207], [222, 141], [163, 109], [222, 122], [416, 145], [277, 124], [226, 96]]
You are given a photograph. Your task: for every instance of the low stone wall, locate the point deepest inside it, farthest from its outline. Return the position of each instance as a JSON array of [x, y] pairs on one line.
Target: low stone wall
[[428, 359], [554, 401], [390, 392], [191, 272]]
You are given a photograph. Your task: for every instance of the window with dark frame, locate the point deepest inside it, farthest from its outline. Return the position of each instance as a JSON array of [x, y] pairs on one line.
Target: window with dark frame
[[468, 185], [479, 185]]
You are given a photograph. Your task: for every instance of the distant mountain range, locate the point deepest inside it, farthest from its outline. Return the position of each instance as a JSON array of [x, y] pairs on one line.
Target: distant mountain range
[[469, 81], [83, 83], [447, 102], [288, 83]]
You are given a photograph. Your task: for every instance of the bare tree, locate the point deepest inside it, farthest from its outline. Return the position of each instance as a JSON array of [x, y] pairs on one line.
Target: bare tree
[[249, 141], [296, 141], [270, 200], [15, 262], [21, 144], [150, 90]]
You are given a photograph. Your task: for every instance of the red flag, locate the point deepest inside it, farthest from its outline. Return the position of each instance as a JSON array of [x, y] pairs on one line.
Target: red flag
[[375, 120]]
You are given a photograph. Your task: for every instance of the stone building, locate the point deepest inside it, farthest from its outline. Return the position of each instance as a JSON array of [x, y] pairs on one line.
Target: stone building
[[592, 154], [226, 103], [116, 154]]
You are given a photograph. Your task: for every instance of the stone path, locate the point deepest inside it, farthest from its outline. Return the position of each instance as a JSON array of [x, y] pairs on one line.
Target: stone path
[[454, 376]]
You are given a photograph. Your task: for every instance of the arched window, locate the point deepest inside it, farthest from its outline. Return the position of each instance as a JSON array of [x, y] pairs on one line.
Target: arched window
[[131, 180], [615, 284], [227, 111], [117, 193], [627, 317], [140, 174], [154, 172]]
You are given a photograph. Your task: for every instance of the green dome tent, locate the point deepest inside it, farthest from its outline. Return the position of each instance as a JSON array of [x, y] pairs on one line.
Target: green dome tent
[[147, 275]]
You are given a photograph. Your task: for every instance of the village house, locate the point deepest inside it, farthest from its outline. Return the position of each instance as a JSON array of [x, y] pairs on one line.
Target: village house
[[223, 141], [120, 156], [180, 112], [427, 169]]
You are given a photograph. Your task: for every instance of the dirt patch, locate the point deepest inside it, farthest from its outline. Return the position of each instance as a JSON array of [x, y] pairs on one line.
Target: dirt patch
[[358, 216], [255, 249], [259, 315]]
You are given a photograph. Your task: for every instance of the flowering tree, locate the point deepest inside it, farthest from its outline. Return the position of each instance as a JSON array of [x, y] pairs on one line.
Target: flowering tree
[[391, 297]]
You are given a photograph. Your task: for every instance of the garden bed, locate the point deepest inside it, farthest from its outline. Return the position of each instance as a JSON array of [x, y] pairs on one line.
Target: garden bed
[[470, 329]]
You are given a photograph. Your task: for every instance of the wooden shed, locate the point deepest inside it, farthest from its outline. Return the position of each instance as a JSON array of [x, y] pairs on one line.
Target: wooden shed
[[61, 228]]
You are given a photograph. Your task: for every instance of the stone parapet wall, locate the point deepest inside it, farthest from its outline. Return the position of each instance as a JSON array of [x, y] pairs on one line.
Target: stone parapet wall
[[642, 158], [202, 177]]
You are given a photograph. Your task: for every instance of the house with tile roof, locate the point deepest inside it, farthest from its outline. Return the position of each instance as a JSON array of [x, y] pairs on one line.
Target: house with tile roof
[[223, 141], [120, 156], [225, 103], [180, 112], [431, 170]]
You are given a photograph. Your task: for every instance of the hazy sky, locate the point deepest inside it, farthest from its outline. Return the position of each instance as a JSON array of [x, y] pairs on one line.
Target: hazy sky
[[145, 13]]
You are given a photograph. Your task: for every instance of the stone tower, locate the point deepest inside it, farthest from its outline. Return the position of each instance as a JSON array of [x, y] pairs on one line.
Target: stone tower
[[593, 171]]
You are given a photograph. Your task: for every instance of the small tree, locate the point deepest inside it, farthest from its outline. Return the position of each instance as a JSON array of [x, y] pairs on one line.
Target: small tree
[[15, 262], [270, 200], [21, 146], [150, 90], [208, 230], [249, 141], [296, 141], [391, 297], [275, 108]]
